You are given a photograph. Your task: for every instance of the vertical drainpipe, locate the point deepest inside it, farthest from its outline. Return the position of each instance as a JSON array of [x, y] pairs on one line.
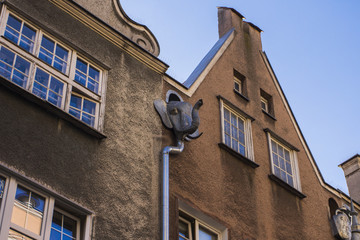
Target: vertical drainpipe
[[165, 190]]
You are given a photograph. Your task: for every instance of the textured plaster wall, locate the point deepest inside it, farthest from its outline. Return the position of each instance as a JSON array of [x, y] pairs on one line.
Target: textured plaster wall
[[218, 184], [118, 177]]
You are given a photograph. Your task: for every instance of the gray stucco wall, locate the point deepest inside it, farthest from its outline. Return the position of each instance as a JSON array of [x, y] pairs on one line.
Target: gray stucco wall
[[117, 177]]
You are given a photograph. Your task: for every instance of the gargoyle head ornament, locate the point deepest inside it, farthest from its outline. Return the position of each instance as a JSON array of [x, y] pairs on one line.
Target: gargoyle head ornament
[[180, 116]]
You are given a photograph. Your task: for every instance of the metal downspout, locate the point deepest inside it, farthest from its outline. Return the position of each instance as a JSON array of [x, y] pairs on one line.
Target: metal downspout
[[165, 190]]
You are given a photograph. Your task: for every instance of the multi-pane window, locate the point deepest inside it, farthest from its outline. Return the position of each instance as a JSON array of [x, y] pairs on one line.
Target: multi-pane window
[[20, 33], [83, 109], [28, 210], [27, 214], [13, 67], [48, 87], [50, 70], [53, 54], [87, 75], [236, 131], [191, 228], [284, 162], [63, 227], [264, 104], [238, 85]]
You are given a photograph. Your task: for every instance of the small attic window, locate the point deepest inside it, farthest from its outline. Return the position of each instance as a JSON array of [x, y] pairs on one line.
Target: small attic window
[[266, 103], [240, 85]]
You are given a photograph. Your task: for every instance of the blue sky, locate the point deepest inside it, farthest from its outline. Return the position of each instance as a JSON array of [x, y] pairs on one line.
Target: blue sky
[[313, 47]]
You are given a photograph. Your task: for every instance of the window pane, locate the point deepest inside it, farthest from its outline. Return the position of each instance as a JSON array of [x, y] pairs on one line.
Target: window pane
[[14, 235], [13, 28], [227, 127], [283, 176], [80, 77], [274, 146], [14, 23], [47, 44], [242, 150], [241, 124], [227, 140], [63, 227], [183, 230], [27, 38], [7, 56], [226, 114], [89, 107], [233, 119], [69, 227], [28, 210], [75, 113], [94, 74], [241, 138], [82, 66], [205, 234], [275, 159], [288, 168], [290, 180], [21, 72], [90, 120], [2, 188], [75, 102]]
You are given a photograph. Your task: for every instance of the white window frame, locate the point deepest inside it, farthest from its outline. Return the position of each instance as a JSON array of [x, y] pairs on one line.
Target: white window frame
[[202, 220], [293, 161], [249, 149], [7, 205], [189, 228], [71, 86], [240, 83], [266, 104]]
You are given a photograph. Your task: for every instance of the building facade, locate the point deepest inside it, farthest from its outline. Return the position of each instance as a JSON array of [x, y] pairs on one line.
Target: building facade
[[80, 156], [80, 152], [251, 174]]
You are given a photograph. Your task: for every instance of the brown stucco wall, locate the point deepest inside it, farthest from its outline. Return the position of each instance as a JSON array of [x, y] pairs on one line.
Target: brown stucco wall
[[117, 177], [218, 184]]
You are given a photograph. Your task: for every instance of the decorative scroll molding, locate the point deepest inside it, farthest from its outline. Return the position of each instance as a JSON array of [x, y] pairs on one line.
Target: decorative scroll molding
[[144, 38], [112, 35]]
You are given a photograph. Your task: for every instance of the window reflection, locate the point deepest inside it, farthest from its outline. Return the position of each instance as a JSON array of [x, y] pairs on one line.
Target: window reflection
[[28, 210]]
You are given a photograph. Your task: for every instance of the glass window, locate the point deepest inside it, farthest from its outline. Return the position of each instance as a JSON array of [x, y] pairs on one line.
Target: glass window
[[53, 54], [20, 33], [48, 87], [28, 210], [238, 85], [14, 235], [63, 227], [206, 234], [282, 162], [234, 132], [87, 75], [83, 109], [2, 188], [14, 67], [264, 104], [184, 230]]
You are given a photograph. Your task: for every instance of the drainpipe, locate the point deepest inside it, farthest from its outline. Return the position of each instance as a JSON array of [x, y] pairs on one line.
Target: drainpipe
[[165, 190]]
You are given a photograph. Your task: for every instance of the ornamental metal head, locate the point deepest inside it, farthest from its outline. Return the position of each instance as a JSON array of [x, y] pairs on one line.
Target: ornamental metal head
[[342, 223], [179, 116]]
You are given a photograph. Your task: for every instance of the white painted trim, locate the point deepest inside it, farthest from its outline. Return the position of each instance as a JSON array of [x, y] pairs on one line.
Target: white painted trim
[[189, 92], [204, 220]]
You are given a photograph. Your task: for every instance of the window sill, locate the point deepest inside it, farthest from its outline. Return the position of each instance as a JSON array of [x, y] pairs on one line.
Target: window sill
[[51, 108], [269, 115], [238, 155], [241, 95], [287, 186]]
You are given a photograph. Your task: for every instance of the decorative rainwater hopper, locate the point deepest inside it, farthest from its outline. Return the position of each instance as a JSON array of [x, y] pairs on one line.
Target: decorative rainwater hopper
[[183, 119]]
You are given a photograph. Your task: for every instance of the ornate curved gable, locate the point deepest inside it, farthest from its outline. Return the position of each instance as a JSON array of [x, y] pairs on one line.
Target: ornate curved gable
[[111, 13]]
